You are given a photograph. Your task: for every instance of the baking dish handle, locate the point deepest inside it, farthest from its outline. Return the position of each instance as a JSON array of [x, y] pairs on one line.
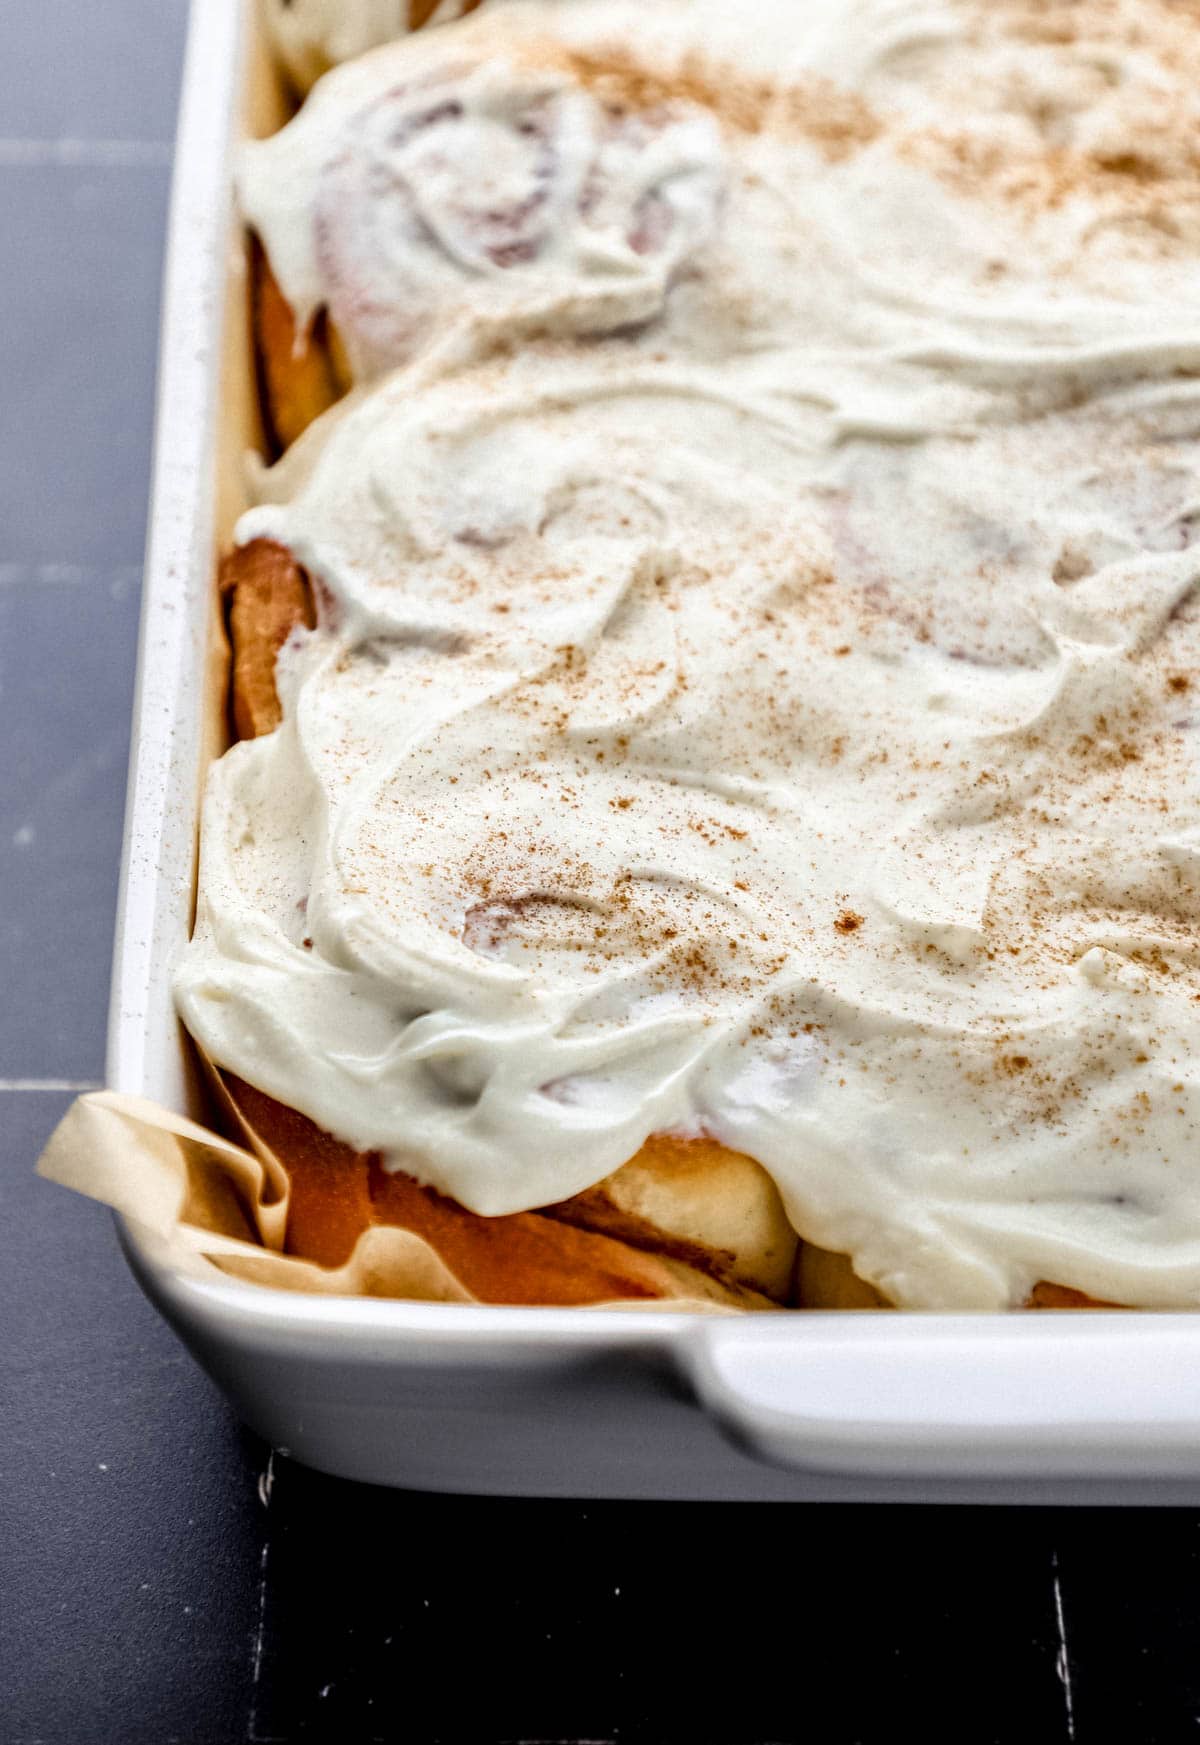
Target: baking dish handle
[[1072, 1394]]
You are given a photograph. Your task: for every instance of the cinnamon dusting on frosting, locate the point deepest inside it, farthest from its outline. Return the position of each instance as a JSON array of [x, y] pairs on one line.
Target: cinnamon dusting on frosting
[[811, 106]]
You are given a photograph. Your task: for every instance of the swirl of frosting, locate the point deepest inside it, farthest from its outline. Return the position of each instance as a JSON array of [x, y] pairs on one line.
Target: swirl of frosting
[[523, 189], [490, 192]]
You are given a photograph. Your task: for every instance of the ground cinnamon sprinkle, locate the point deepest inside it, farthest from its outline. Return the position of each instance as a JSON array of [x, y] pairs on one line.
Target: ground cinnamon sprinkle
[[837, 121], [1097, 128]]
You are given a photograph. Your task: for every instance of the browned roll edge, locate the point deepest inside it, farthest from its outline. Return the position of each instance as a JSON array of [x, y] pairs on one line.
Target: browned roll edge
[[421, 11], [829, 1281], [297, 373], [523, 1258], [267, 596]]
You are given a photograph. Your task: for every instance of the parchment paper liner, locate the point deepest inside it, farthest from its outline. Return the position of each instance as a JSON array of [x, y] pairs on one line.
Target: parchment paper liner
[[221, 1207]]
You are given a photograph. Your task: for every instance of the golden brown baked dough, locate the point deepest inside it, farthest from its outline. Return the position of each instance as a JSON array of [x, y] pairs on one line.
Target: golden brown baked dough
[[1051, 1296], [421, 11], [699, 1201], [524, 1258], [268, 596], [297, 371], [829, 1281]]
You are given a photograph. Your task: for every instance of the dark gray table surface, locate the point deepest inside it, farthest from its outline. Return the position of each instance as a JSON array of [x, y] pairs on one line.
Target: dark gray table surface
[[162, 1579]]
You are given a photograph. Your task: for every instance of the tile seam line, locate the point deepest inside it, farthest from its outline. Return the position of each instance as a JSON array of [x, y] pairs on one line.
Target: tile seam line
[[33, 1084], [1062, 1664], [17, 573], [72, 153]]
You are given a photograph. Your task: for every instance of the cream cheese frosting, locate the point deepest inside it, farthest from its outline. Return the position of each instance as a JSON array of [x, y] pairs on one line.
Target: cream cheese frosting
[[462, 188], [775, 718]]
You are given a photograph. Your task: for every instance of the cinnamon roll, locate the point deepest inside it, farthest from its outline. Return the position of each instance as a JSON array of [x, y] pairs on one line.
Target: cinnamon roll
[[452, 195]]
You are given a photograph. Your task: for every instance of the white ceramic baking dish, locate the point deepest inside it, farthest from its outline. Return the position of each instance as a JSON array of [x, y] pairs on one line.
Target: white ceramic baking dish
[[1036, 1408]]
